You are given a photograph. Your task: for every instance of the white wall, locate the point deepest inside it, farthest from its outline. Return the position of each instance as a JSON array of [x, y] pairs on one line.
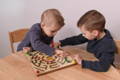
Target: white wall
[[15, 14]]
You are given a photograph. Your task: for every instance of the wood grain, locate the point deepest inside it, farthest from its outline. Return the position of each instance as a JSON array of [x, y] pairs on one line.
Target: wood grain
[[17, 67]]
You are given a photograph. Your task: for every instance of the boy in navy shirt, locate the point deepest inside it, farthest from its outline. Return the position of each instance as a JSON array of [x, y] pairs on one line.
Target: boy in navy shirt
[[99, 39], [40, 36]]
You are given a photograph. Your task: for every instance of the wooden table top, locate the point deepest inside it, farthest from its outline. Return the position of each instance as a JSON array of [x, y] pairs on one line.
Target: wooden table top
[[17, 67]]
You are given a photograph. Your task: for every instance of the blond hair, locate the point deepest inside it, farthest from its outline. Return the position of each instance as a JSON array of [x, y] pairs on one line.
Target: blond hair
[[52, 16]]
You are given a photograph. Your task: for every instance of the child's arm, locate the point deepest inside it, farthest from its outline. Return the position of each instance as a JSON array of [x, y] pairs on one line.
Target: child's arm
[[100, 66], [105, 61], [39, 45], [105, 55], [73, 40]]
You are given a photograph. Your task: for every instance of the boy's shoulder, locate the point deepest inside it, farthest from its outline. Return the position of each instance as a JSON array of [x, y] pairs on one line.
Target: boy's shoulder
[[108, 37], [107, 40], [35, 27]]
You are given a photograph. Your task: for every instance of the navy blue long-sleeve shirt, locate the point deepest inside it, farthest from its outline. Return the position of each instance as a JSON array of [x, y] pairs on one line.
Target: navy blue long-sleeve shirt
[[37, 40], [103, 49]]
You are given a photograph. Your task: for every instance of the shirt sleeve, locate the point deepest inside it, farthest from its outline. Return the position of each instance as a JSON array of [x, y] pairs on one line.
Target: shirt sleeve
[[104, 61], [75, 40], [38, 45]]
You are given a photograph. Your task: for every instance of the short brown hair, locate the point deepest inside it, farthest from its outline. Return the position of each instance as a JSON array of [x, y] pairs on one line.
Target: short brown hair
[[52, 14], [92, 20]]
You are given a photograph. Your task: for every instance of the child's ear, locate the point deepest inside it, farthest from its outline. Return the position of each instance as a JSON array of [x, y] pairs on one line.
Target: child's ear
[[42, 24], [95, 32]]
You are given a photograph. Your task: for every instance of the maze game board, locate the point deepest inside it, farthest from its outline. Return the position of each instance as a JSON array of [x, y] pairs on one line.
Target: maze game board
[[42, 63]]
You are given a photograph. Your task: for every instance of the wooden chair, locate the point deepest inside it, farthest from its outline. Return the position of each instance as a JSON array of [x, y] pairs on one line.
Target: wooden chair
[[117, 56], [118, 46], [17, 36]]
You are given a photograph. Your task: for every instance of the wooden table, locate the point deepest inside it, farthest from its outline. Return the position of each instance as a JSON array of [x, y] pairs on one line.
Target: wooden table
[[17, 67]]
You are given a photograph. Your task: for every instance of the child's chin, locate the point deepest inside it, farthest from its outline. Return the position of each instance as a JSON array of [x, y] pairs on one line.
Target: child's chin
[[50, 36], [90, 39]]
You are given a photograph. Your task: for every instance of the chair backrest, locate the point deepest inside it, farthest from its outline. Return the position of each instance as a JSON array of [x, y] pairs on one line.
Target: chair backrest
[[17, 36], [117, 42]]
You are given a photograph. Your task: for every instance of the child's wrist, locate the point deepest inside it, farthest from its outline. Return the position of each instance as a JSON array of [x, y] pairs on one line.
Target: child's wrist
[[59, 44]]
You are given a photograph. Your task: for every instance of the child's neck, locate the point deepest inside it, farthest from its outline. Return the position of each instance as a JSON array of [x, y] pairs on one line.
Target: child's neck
[[101, 35]]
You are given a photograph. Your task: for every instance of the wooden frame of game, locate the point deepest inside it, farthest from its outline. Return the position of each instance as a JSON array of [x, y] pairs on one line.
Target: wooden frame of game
[[43, 63]]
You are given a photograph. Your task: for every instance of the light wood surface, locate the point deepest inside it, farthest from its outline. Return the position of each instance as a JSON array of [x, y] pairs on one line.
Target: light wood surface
[[17, 67], [117, 42], [117, 56], [17, 36]]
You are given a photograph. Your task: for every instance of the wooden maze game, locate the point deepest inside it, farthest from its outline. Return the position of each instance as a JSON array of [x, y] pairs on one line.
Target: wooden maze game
[[42, 63]]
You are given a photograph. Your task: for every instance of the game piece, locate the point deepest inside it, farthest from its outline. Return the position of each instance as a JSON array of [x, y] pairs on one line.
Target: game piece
[[43, 63]]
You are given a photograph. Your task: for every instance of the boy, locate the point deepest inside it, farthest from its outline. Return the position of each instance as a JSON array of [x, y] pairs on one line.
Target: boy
[[40, 36], [100, 41]]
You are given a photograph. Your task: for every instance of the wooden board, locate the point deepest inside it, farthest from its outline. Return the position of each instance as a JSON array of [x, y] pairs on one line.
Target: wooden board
[[42, 63]]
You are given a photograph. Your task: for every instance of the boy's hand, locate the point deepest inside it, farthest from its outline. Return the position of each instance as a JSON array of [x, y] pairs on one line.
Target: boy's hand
[[78, 58], [26, 49], [57, 44], [59, 52]]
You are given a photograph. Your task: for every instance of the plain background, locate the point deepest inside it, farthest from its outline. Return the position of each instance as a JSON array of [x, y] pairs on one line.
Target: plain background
[[15, 14]]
